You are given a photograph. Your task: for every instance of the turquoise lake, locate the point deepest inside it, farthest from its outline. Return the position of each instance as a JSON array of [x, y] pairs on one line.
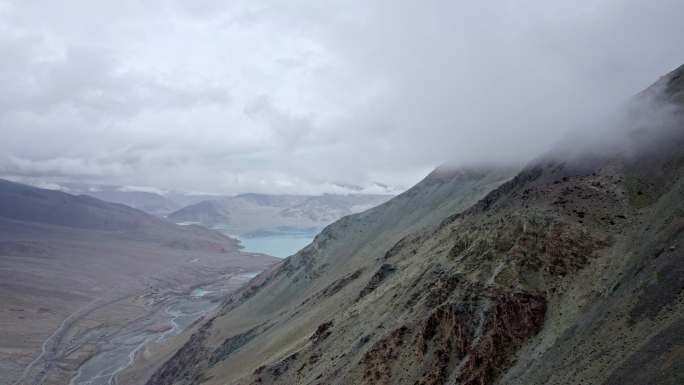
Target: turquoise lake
[[280, 242], [281, 245]]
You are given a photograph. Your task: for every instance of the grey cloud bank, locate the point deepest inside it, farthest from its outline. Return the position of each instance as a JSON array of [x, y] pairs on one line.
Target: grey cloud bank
[[303, 96]]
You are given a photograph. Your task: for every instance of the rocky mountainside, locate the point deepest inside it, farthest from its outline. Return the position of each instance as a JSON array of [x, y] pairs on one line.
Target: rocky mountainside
[[253, 214], [570, 271]]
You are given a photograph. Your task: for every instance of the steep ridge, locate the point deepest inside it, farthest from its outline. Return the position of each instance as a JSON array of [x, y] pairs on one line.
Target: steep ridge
[[570, 272]]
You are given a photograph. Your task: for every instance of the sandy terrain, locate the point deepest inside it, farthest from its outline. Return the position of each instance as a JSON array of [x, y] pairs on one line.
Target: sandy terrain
[[61, 336], [84, 284]]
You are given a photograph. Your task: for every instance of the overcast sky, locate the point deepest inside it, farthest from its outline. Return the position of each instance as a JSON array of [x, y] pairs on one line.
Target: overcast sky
[[293, 96]]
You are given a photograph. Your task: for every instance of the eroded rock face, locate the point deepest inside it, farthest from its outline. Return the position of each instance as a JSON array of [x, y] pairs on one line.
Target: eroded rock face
[[322, 332], [512, 321], [470, 341], [232, 344], [378, 362], [383, 272]]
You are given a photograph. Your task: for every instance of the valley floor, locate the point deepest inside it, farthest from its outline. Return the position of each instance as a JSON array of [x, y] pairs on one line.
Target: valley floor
[[95, 342]]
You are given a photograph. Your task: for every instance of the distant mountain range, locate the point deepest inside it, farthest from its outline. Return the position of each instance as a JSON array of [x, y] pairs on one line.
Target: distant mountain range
[[146, 199], [260, 214], [30, 216], [245, 214]]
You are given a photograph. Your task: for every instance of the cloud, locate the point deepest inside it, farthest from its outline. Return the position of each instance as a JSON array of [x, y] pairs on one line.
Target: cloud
[[301, 96], [57, 167]]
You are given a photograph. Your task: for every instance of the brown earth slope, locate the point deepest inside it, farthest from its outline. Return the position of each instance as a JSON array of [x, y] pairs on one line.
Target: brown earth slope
[[74, 265], [569, 273]]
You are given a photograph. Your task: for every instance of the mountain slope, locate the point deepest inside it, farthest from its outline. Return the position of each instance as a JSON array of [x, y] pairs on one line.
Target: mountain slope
[[570, 272], [345, 253], [208, 213], [148, 202], [26, 203]]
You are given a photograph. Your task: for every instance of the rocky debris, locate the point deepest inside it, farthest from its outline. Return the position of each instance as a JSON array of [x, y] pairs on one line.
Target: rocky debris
[[444, 338], [640, 367], [232, 344], [333, 288], [524, 178], [441, 285], [269, 374], [666, 286], [379, 277], [528, 244], [322, 332], [394, 250], [378, 361], [514, 319], [472, 341], [339, 284]]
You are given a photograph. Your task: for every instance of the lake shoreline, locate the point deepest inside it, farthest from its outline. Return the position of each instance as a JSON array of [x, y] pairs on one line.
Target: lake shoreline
[[276, 243]]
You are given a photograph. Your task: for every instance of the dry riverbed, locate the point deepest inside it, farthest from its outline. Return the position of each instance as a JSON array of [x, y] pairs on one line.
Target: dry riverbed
[[97, 342]]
